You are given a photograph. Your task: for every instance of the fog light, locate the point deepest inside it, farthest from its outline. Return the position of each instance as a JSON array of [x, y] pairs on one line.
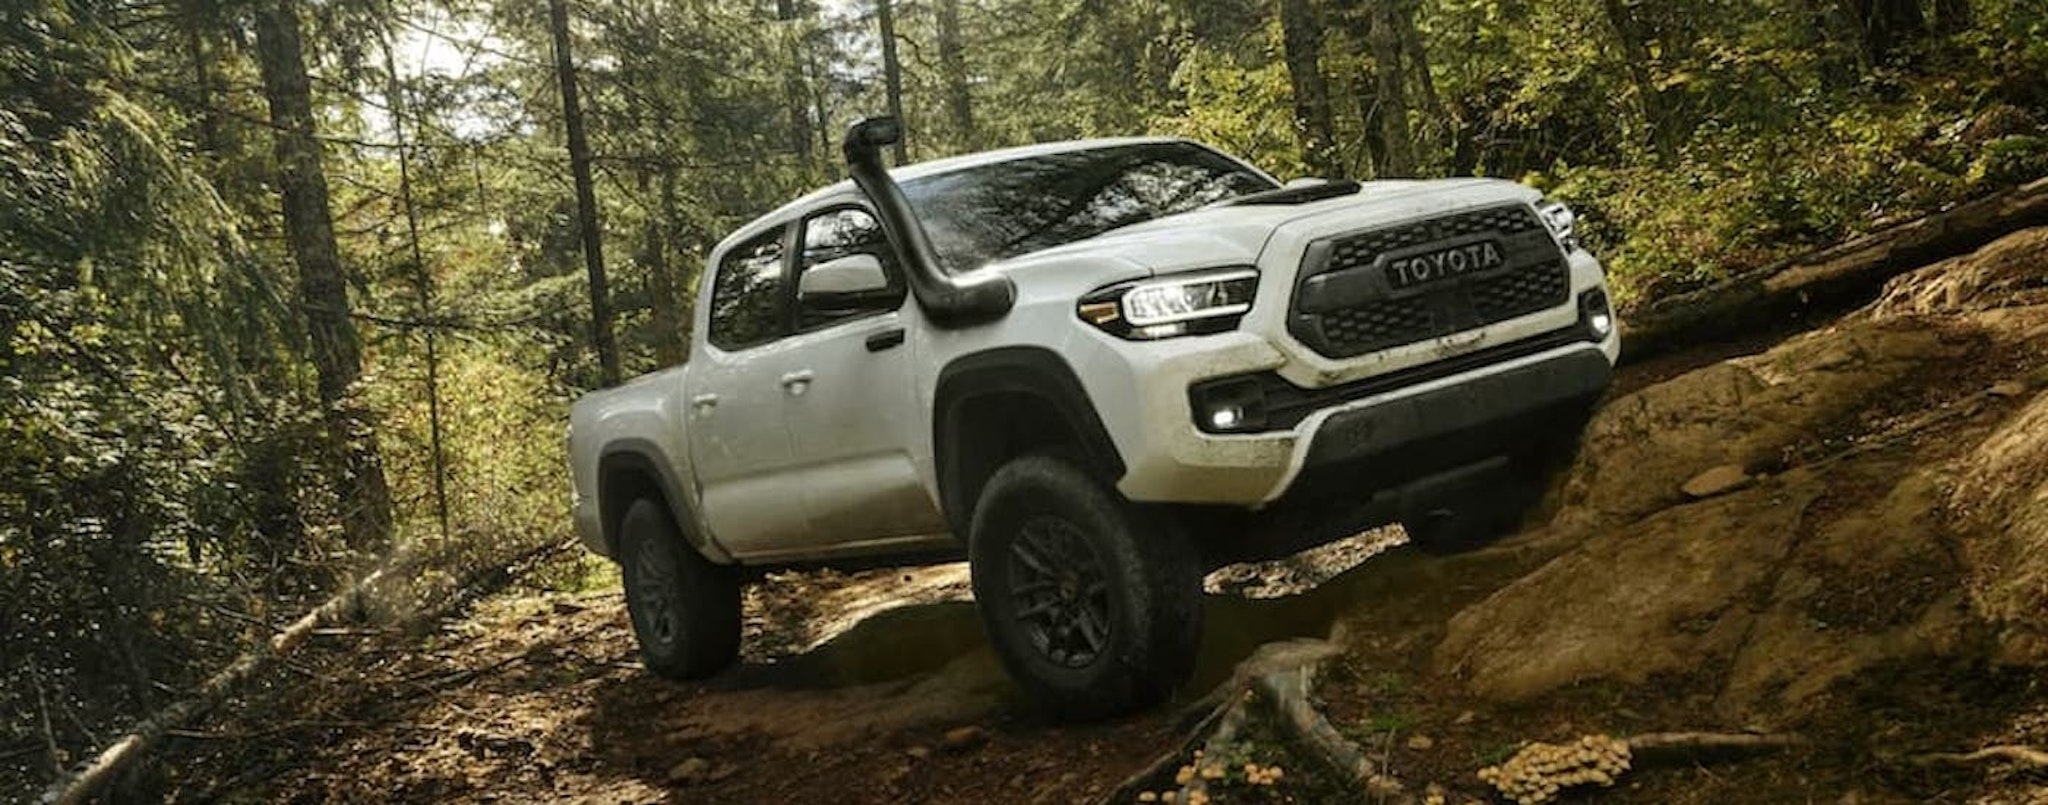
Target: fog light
[[1234, 405], [1594, 311]]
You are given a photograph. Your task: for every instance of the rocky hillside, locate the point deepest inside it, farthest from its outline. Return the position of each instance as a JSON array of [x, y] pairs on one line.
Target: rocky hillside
[[1830, 557]]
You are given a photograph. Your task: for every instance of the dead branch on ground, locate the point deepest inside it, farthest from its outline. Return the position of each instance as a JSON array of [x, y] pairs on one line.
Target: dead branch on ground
[[2006, 753]]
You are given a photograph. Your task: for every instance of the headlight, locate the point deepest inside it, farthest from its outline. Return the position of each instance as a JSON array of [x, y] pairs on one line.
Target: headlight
[[1561, 221], [1183, 304]]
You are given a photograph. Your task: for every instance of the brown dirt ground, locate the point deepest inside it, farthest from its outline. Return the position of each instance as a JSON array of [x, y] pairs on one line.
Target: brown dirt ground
[[878, 686]]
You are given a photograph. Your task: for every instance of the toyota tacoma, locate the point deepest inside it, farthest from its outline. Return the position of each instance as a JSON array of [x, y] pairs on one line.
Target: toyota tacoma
[[1098, 370]]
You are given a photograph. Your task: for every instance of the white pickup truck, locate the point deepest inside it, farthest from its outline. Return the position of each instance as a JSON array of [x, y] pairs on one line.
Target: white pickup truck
[[1098, 370]]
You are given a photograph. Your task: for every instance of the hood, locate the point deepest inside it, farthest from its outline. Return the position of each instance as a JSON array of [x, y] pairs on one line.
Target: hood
[[1234, 235]]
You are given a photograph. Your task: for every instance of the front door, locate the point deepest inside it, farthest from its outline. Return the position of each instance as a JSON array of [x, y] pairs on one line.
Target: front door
[[853, 418]]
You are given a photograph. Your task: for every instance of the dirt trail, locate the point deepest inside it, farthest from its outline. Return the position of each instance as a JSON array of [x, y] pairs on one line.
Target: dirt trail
[[1844, 534]]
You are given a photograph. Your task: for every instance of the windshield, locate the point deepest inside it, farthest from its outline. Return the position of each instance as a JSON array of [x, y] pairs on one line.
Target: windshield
[[991, 212]]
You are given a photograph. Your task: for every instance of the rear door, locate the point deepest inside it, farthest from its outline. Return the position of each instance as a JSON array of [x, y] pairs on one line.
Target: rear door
[[739, 441], [853, 419]]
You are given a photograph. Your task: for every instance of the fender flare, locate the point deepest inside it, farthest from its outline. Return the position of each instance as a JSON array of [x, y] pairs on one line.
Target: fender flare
[[1035, 372], [641, 457]]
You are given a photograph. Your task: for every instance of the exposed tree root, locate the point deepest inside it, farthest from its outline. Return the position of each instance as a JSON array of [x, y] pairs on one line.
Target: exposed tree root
[[1287, 693], [1279, 675], [2017, 755]]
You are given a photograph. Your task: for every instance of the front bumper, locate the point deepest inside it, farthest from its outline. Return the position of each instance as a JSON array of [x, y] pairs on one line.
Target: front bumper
[[1446, 416]]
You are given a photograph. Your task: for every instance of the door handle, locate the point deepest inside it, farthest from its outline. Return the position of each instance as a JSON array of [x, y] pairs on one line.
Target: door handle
[[704, 402], [885, 339], [797, 382]]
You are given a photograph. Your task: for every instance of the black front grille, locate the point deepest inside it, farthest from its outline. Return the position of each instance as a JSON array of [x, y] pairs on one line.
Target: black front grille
[[1345, 305]]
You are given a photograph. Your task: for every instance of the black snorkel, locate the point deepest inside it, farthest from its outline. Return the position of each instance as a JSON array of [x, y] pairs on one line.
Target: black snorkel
[[951, 300]]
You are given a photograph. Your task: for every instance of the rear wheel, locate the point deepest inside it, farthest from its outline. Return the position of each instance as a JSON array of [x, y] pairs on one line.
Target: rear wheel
[[1092, 606], [685, 610]]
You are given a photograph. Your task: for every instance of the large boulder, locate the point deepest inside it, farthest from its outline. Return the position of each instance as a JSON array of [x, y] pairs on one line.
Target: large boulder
[[1632, 602], [2003, 491], [1752, 413], [2010, 272]]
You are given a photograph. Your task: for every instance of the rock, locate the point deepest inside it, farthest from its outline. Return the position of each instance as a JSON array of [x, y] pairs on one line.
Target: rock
[[690, 772], [1420, 743], [2009, 388], [1717, 481], [1464, 718], [962, 739], [919, 752]]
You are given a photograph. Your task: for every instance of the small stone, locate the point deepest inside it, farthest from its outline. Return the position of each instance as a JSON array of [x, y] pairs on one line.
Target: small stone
[[690, 772], [1717, 481], [1420, 743], [1464, 718], [2009, 388], [919, 752], [961, 739]]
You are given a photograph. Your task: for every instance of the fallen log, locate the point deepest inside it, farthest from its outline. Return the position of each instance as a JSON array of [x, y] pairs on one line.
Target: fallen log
[[1833, 279], [86, 782], [1663, 748], [83, 784]]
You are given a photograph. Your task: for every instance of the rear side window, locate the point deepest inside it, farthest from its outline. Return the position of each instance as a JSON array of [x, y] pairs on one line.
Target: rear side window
[[748, 305]]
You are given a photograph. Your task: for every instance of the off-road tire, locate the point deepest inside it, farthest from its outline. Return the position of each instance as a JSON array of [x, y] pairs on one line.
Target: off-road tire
[[685, 610], [1060, 562]]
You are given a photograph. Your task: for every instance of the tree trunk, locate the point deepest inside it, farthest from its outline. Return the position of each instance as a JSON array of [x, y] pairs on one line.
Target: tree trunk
[[1952, 17], [680, 236], [423, 283], [309, 234], [1303, 39], [1887, 26], [953, 69], [1416, 56], [586, 200], [793, 91], [669, 346], [1636, 54], [1391, 96], [820, 114], [892, 74]]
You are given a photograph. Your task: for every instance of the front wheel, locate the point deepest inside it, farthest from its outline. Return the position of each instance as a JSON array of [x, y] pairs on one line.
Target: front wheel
[[685, 610], [1093, 607]]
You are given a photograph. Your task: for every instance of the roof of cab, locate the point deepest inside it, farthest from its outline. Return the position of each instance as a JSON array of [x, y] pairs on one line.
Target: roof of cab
[[933, 167]]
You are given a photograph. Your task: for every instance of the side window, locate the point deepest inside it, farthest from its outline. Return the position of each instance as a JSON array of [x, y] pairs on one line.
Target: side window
[[747, 296], [839, 233]]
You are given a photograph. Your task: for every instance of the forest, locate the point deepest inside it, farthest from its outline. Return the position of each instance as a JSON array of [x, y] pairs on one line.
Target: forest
[[294, 290]]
